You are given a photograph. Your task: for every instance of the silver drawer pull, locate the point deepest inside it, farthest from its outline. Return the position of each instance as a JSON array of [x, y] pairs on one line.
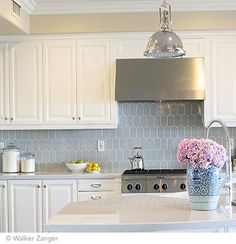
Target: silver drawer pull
[[96, 185], [96, 197]]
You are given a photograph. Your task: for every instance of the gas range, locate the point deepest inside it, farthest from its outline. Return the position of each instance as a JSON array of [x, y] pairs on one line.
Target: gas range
[[153, 181]]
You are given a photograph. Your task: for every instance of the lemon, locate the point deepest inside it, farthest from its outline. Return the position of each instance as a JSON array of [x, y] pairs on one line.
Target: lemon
[[89, 169], [95, 164]]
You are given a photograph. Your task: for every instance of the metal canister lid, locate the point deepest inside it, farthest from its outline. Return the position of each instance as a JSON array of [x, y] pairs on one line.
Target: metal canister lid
[[28, 155], [11, 148]]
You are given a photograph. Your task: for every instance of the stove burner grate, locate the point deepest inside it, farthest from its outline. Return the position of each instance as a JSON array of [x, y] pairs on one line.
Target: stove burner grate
[[166, 171], [154, 171], [135, 171]]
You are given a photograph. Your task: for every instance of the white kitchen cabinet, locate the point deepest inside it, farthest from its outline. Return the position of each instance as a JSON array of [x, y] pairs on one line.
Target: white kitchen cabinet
[[33, 202], [223, 80], [26, 83], [3, 207], [97, 189], [194, 47], [134, 47], [4, 84], [95, 87], [59, 60], [95, 196], [130, 47], [25, 205], [56, 195]]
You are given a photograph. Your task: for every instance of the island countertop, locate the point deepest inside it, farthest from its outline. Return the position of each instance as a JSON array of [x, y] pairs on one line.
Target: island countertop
[[141, 213]]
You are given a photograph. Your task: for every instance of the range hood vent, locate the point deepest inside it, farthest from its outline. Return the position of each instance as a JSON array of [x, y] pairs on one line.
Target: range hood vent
[[151, 79]]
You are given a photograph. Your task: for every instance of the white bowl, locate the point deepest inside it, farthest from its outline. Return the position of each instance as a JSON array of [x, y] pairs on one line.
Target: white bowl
[[77, 168]]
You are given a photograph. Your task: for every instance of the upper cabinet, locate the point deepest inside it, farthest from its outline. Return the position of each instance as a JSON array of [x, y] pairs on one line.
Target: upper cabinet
[[94, 87], [194, 47], [223, 79], [68, 82], [59, 59], [25, 83], [130, 47], [57, 84], [4, 84]]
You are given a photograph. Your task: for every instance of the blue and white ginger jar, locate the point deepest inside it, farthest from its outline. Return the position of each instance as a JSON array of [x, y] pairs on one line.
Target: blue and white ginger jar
[[204, 187]]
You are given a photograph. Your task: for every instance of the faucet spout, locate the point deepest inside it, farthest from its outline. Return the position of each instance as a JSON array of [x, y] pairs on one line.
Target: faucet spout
[[228, 182]]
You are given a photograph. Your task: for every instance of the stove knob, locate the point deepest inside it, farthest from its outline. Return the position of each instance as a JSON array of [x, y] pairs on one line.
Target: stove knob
[[129, 187], [164, 186], [137, 187], [182, 186], [156, 187]]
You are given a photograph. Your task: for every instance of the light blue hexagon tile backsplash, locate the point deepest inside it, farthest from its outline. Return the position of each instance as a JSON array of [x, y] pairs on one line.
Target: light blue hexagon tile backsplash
[[156, 127]]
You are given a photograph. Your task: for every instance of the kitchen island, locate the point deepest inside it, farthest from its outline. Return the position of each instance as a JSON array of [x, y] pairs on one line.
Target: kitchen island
[[142, 213]]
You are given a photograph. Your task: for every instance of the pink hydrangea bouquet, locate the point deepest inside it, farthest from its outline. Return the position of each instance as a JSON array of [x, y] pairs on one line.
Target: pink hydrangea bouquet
[[201, 153]]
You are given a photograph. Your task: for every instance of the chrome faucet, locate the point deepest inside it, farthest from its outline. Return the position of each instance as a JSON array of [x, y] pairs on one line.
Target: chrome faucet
[[228, 182]]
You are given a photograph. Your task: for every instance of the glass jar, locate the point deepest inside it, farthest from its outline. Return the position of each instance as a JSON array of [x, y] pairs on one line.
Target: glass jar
[[28, 162], [11, 159]]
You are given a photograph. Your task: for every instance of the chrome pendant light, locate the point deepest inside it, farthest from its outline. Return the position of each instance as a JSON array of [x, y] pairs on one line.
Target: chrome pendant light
[[164, 43]]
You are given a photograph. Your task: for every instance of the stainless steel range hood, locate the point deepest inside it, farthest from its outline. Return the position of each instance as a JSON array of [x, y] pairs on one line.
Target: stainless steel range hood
[[152, 79]]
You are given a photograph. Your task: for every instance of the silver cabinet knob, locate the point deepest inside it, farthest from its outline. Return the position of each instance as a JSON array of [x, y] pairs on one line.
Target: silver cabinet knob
[[73, 118], [6, 118], [11, 118]]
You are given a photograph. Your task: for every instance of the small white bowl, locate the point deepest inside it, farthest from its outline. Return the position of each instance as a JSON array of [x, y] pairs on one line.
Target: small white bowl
[[77, 168]]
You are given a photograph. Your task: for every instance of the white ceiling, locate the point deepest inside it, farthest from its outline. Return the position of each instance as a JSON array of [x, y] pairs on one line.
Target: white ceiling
[[34, 7]]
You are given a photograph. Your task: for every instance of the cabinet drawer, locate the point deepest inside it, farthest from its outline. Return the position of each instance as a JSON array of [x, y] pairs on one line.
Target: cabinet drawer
[[97, 185], [95, 196]]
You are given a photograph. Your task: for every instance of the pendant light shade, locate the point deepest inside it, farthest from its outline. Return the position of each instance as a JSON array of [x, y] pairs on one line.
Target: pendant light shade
[[164, 43]]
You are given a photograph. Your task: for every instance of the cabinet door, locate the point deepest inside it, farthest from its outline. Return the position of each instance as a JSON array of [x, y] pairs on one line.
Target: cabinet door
[[94, 85], [25, 205], [4, 85], [132, 47], [3, 207], [26, 83], [59, 58], [56, 195], [194, 47], [223, 80]]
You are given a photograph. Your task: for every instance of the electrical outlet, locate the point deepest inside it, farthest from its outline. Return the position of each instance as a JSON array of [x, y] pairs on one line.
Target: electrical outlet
[[101, 146], [2, 144], [231, 141]]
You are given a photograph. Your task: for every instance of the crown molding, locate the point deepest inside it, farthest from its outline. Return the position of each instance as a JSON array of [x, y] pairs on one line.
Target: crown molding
[[38, 7]]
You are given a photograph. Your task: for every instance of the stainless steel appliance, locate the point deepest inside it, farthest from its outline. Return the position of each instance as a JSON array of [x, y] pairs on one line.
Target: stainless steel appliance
[[154, 79], [153, 181]]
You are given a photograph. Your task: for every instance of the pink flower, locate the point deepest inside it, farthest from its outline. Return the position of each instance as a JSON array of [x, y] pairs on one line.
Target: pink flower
[[201, 153]]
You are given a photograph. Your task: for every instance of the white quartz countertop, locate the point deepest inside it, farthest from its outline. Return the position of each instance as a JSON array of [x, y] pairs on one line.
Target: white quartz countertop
[[57, 175], [140, 213]]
